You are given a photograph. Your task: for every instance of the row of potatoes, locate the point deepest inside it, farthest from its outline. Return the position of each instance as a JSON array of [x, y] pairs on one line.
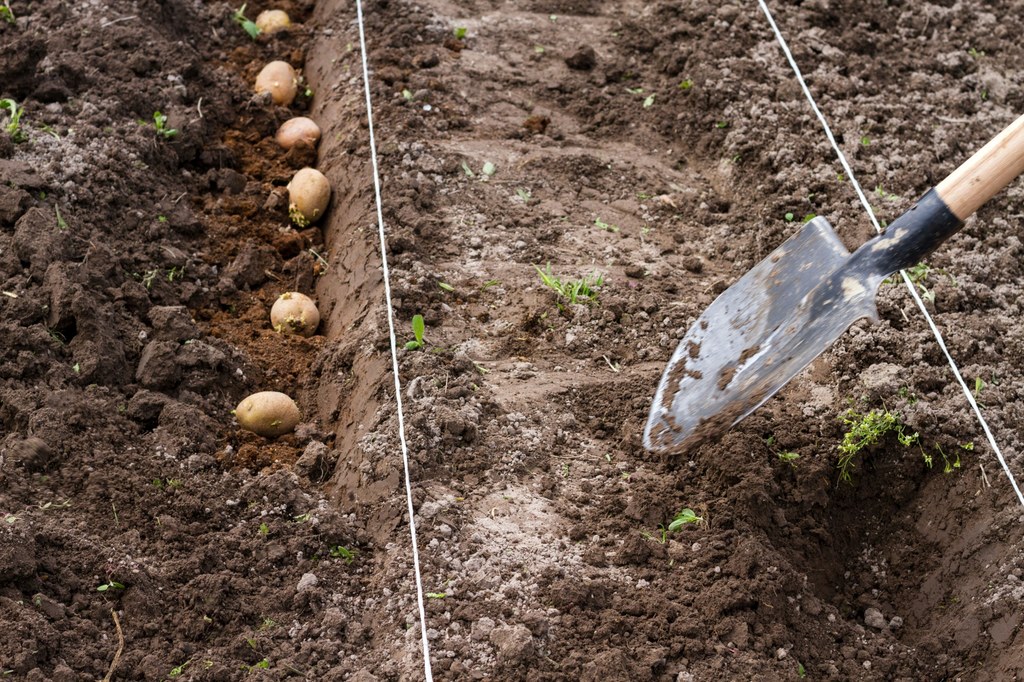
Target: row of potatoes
[[270, 413]]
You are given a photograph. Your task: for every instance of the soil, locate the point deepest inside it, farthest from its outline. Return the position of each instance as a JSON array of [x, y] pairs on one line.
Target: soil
[[659, 150]]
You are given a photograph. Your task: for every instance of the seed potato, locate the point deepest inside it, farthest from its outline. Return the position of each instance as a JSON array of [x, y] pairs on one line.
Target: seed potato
[[273, 20], [268, 413], [298, 129], [280, 80], [294, 313], [309, 192]]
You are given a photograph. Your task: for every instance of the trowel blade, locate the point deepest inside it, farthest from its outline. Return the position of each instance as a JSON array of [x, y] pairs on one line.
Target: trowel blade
[[757, 335]]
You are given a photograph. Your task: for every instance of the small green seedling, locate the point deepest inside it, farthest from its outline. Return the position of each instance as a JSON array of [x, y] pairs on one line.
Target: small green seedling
[[418, 327], [979, 386], [607, 227], [523, 194], [436, 595], [179, 670], [722, 124], [865, 430], [264, 529], [459, 32], [160, 123], [13, 126], [467, 170], [686, 516], [649, 101], [489, 169], [248, 26], [788, 457], [583, 290], [686, 85], [110, 585], [6, 13], [340, 552]]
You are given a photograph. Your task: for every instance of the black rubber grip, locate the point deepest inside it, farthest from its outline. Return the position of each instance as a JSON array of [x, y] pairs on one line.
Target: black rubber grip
[[909, 238]]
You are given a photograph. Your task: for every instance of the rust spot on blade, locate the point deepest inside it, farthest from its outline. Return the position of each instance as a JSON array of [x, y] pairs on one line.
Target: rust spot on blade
[[693, 348]]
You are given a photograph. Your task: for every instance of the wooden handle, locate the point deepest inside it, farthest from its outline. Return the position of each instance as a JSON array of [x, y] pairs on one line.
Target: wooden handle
[[982, 176]]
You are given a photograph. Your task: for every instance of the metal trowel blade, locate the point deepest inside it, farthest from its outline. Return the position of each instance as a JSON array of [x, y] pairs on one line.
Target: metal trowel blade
[[756, 336]]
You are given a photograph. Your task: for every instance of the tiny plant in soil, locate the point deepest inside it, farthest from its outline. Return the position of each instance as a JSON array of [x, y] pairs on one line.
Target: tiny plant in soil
[[14, 113], [248, 26], [110, 585], [607, 227], [864, 430], [683, 518], [178, 670], [979, 386], [686, 85], [459, 32], [583, 290], [418, 328], [6, 13], [340, 552], [160, 123], [523, 194], [789, 457]]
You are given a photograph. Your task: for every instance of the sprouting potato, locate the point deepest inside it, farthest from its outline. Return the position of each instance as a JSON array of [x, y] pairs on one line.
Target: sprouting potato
[[273, 20], [268, 413], [280, 80], [294, 313], [298, 129], [309, 192]]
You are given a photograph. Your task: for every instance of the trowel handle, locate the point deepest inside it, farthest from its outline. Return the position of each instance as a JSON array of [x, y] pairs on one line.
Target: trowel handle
[[982, 176]]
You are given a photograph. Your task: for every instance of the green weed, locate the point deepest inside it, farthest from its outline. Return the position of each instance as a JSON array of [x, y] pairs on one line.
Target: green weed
[[418, 327], [13, 127], [459, 32], [684, 517], [110, 585], [340, 552], [789, 457], [160, 123], [177, 671], [583, 290], [7, 14], [865, 430]]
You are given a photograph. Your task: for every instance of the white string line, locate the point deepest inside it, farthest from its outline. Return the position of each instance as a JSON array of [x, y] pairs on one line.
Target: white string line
[[878, 228], [394, 349]]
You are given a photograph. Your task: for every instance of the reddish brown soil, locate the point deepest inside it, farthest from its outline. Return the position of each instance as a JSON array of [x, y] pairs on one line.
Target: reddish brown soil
[[658, 145]]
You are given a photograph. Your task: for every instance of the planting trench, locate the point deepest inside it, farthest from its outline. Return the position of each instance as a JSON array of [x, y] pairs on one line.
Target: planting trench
[[665, 158]]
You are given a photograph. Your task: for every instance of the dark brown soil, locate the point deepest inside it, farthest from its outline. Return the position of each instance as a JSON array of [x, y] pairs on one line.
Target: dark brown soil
[[663, 147]]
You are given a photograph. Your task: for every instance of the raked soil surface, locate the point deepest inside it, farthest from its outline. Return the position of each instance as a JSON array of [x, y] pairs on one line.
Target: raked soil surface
[[657, 150]]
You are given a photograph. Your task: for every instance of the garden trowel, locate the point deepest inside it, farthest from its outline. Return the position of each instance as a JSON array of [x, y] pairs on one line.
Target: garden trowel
[[768, 326]]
